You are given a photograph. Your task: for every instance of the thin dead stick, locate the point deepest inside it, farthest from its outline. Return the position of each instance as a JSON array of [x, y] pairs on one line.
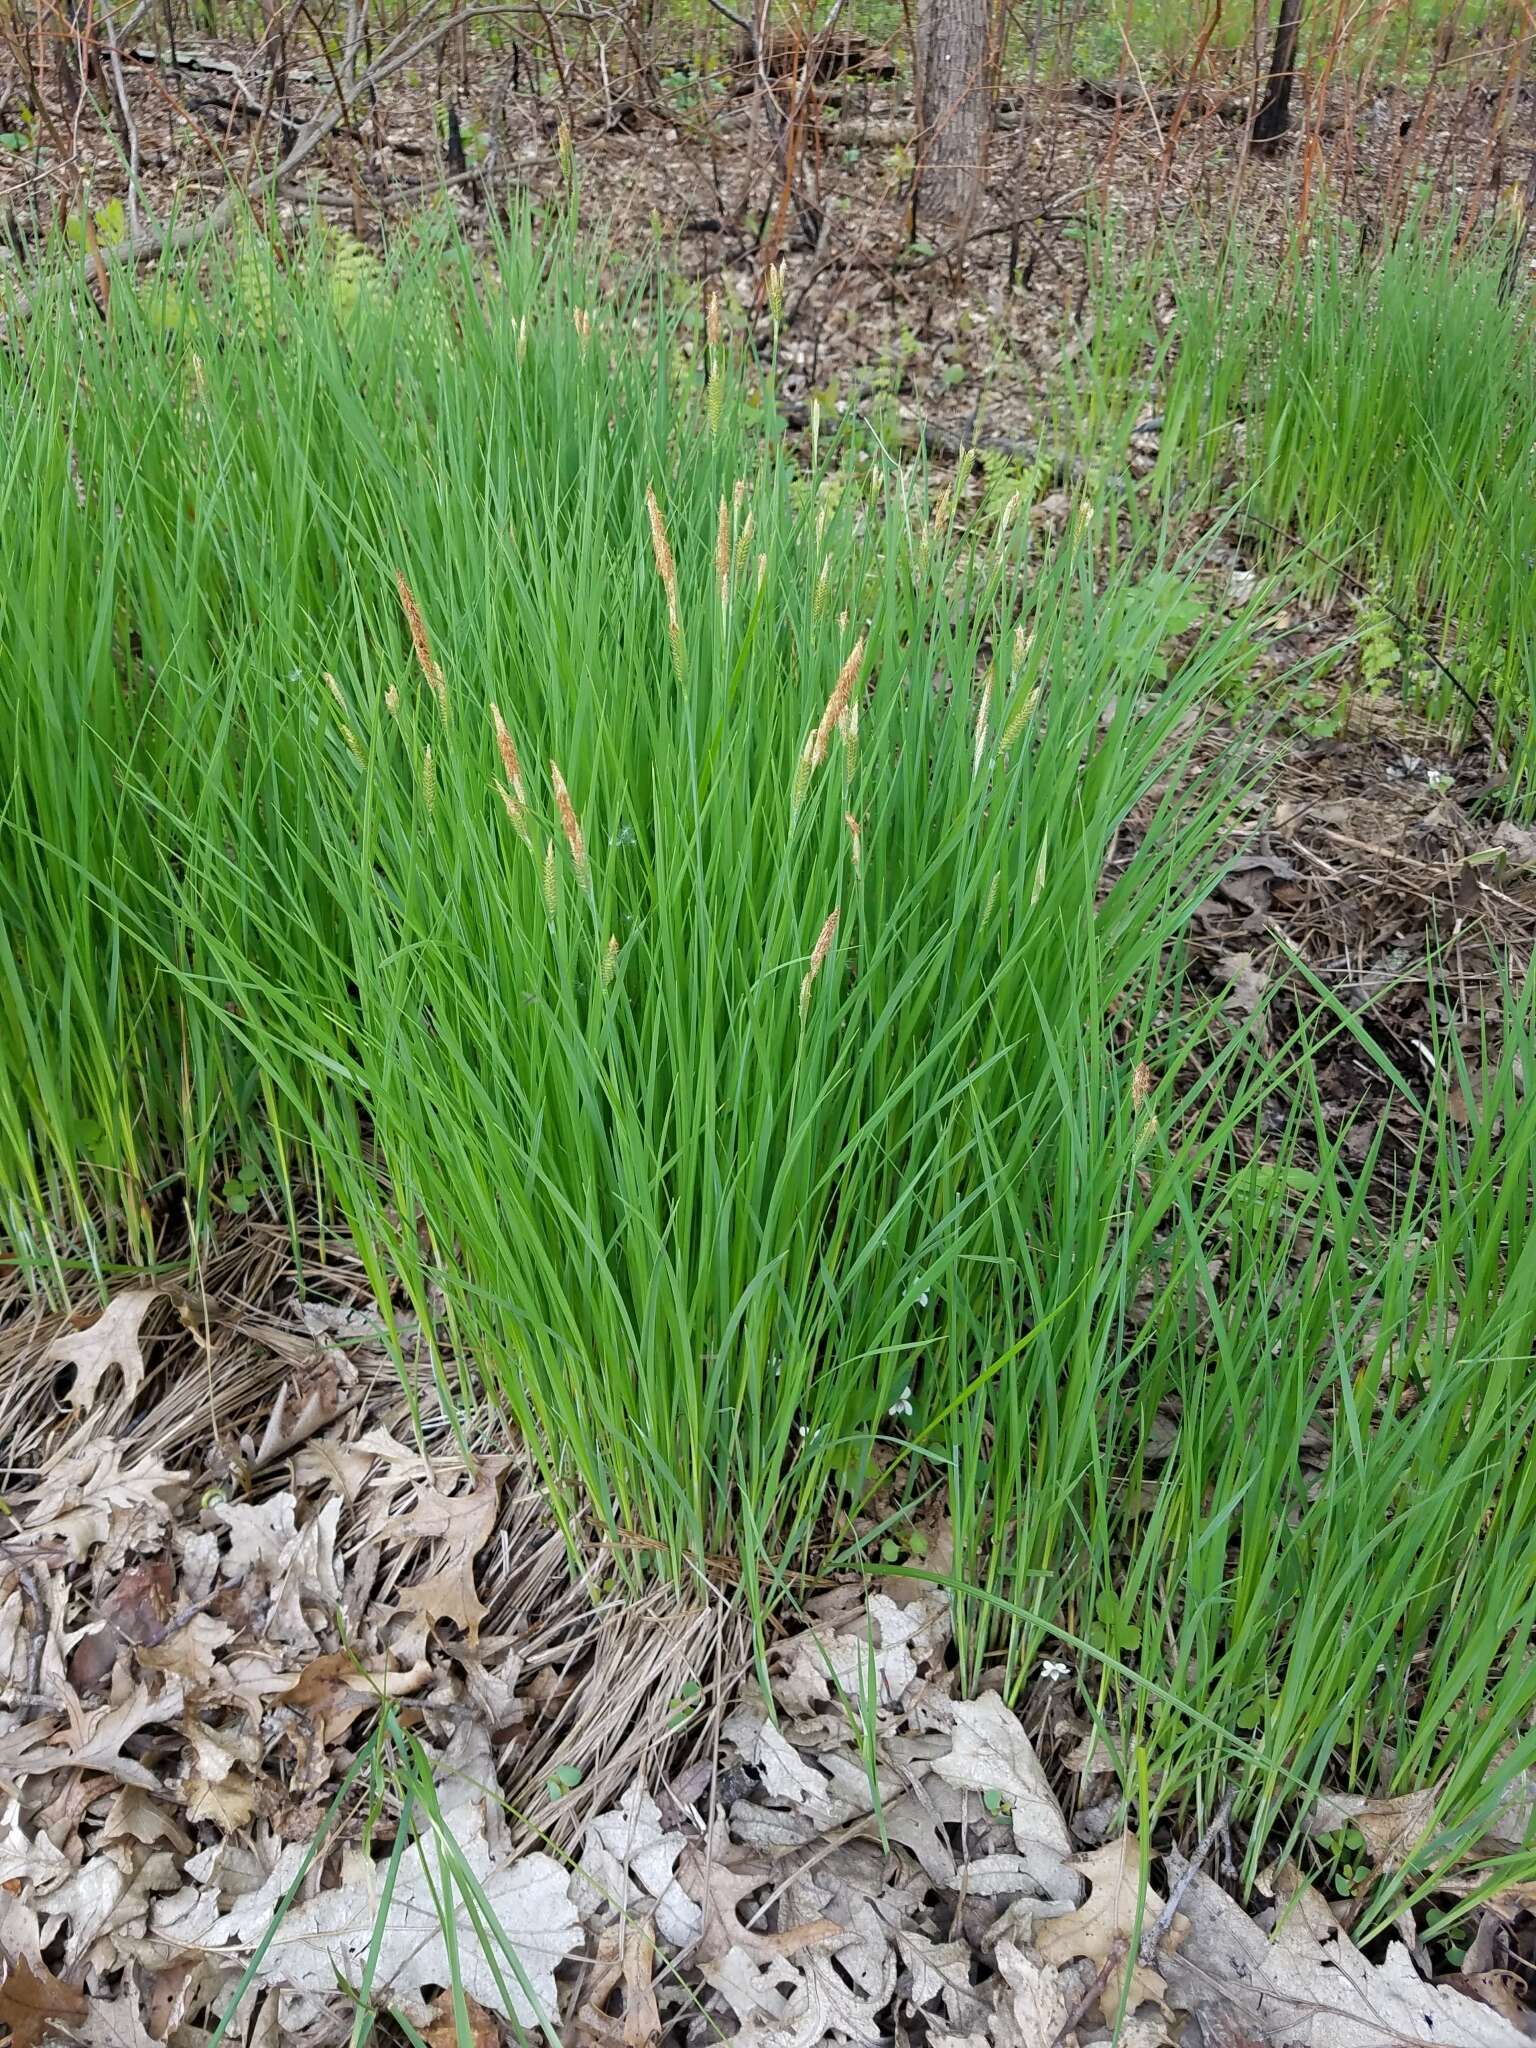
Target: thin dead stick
[[1111, 1962], [1152, 1937]]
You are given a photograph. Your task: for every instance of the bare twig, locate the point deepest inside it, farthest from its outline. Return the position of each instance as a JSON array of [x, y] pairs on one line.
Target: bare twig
[[1152, 1937]]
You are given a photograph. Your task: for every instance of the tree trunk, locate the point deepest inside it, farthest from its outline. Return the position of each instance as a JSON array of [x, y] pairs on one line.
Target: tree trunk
[[954, 73], [1274, 115]]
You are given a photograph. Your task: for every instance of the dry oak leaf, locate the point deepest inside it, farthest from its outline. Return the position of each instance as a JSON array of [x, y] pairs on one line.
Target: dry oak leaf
[[830, 1667], [442, 2030], [628, 1847], [718, 1887], [87, 1499], [116, 2023], [1308, 1985], [188, 1649], [33, 2001], [460, 1524], [1109, 1925], [626, 1953], [524, 1903], [1246, 982], [1390, 1828], [1036, 2009], [113, 1339], [993, 1754], [94, 1740], [334, 1688], [108, 1900], [942, 1971], [299, 1565], [846, 1984]]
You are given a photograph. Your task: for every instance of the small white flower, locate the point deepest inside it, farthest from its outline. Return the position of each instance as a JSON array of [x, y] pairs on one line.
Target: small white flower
[[903, 1404], [922, 1299], [1050, 1669]]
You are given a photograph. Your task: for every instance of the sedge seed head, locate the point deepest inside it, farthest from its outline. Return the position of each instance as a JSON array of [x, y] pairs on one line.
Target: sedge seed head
[[570, 825], [420, 643], [983, 711], [428, 780], [819, 952], [347, 734], [837, 703], [776, 293], [661, 547], [551, 883], [723, 548], [743, 548], [1019, 717], [512, 768], [610, 961]]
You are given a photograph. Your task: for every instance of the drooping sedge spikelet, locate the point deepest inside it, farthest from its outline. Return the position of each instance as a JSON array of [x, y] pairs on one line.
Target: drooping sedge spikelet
[[983, 710], [514, 796], [610, 961], [855, 841], [570, 825], [347, 733], [743, 547], [392, 701], [421, 644], [666, 569], [805, 767], [1018, 718], [661, 547], [428, 780], [848, 730], [944, 504], [1142, 1085], [819, 952], [551, 884], [723, 552], [837, 703]]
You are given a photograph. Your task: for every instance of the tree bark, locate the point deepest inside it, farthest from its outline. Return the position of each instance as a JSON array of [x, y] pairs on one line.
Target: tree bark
[[954, 113], [1274, 115]]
